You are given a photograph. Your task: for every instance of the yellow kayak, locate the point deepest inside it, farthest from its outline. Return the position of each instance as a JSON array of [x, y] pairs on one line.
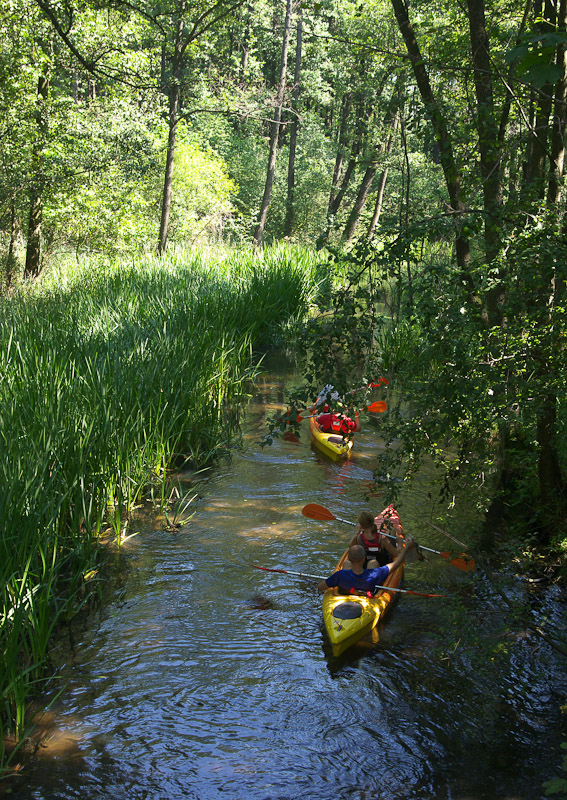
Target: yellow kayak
[[331, 444], [350, 617]]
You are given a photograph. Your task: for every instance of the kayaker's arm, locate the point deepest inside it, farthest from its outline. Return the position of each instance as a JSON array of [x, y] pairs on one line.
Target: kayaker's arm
[[354, 539], [389, 546], [401, 556]]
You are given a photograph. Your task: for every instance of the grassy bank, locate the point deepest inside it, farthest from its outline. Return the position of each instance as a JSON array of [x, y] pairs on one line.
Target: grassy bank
[[109, 373]]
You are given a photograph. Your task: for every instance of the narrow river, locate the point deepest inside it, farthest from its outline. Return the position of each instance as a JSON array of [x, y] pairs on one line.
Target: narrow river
[[205, 678]]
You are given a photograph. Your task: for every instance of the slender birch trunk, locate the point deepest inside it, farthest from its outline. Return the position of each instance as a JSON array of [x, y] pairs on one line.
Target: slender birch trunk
[[290, 202], [275, 130]]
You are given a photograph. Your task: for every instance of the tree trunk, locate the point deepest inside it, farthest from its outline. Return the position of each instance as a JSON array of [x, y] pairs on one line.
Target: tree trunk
[[169, 164], [342, 146], [488, 131], [559, 117], [534, 185], [290, 207], [360, 201], [338, 193], [33, 249], [551, 484], [245, 56], [438, 122], [11, 257], [510, 77], [275, 130], [362, 113], [338, 198], [382, 182], [391, 120], [378, 205], [489, 150], [173, 119], [550, 475]]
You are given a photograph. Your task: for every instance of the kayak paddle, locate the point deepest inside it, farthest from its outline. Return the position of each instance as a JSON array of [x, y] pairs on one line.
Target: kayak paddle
[[288, 572], [377, 407], [463, 562]]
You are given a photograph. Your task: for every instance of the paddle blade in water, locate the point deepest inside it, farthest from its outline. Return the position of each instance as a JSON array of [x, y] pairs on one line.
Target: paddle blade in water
[[314, 511]]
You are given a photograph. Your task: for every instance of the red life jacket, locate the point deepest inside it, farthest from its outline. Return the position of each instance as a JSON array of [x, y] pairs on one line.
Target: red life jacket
[[372, 548], [335, 423]]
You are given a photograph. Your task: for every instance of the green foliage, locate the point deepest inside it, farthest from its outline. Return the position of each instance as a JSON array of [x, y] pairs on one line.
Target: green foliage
[[104, 170], [558, 785], [202, 194], [314, 155], [104, 167], [535, 57], [243, 152]]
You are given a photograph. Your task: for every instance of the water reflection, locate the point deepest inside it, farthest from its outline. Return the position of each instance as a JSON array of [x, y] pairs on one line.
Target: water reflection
[[206, 678]]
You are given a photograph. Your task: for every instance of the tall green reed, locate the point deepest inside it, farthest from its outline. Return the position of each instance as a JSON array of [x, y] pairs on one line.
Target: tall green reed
[[110, 375]]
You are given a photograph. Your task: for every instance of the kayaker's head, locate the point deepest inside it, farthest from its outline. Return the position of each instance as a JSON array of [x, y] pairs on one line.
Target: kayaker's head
[[367, 525], [356, 555], [365, 519]]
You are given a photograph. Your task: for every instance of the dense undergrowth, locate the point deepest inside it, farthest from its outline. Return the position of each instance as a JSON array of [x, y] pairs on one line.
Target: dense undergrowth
[[110, 374]]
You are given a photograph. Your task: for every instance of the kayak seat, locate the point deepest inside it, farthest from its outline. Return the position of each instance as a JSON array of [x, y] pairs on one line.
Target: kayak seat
[[347, 611]]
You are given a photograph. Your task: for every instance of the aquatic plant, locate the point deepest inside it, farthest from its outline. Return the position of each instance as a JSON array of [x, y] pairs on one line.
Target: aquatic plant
[[110, 375]]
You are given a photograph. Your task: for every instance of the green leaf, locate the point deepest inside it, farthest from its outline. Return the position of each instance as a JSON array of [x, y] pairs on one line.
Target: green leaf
[[555, 786], [539, 74]]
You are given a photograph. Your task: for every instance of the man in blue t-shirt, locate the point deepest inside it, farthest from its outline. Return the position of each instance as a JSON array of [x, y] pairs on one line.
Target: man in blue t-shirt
[[360, 579]]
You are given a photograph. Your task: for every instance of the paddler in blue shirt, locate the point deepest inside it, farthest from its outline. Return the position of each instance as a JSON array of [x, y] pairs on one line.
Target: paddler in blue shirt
[[359, 579]]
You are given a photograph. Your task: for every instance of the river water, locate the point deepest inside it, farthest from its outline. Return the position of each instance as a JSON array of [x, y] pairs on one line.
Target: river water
[[206, 678]]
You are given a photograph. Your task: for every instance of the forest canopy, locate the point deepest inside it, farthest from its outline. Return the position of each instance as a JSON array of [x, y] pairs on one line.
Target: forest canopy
[[421, 143]]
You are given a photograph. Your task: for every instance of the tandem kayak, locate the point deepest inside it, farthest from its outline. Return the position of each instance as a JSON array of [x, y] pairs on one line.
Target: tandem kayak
[[334, 445], [348, 618]]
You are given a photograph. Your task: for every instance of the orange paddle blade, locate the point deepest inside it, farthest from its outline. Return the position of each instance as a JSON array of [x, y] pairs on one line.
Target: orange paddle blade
[[314, 511], [463, 562], [378, 406]]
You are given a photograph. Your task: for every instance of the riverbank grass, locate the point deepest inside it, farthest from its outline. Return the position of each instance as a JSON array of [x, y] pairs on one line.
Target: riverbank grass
[[110, 374]]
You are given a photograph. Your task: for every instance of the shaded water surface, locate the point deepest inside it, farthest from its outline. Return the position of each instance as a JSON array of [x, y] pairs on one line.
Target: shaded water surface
[[206, 678]]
